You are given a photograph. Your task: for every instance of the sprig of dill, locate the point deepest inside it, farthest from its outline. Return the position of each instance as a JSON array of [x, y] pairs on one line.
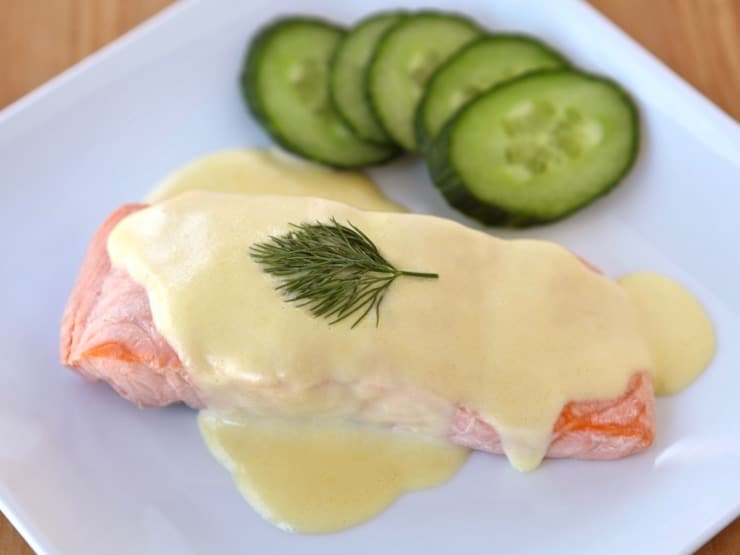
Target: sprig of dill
[[333, 270]]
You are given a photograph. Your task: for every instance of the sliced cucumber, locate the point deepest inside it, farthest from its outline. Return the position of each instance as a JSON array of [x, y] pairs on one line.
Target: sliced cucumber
[[536, 148], [348, 73], [285, 84], [402, 63], [478, 66]]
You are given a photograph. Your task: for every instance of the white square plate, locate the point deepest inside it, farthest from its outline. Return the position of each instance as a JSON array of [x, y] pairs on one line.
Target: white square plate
[[84, 472]]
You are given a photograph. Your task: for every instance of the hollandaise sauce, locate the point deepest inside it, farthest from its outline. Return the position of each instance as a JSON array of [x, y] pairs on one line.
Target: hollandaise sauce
[[323, 425]]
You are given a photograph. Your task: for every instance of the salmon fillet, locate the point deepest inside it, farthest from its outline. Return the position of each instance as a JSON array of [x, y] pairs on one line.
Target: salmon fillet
[[108, 334]]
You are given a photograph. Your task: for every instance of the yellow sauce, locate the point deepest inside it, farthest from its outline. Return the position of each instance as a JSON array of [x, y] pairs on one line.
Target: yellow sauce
[[272, 172], [511, 329], [678, 330], [318, 477]]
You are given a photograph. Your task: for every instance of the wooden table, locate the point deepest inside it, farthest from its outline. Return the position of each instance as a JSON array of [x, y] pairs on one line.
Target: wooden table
[[699, 39]]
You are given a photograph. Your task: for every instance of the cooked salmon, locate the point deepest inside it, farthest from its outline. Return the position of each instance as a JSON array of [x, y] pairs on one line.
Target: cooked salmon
[[108, 334]]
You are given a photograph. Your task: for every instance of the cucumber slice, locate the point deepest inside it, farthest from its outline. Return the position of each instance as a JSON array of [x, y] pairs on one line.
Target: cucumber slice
[[403, 62], [285, 85], [475, 68], [348, 72], [536, 148]]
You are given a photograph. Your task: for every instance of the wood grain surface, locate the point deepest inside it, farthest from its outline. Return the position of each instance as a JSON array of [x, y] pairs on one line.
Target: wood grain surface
[[699, 39]]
